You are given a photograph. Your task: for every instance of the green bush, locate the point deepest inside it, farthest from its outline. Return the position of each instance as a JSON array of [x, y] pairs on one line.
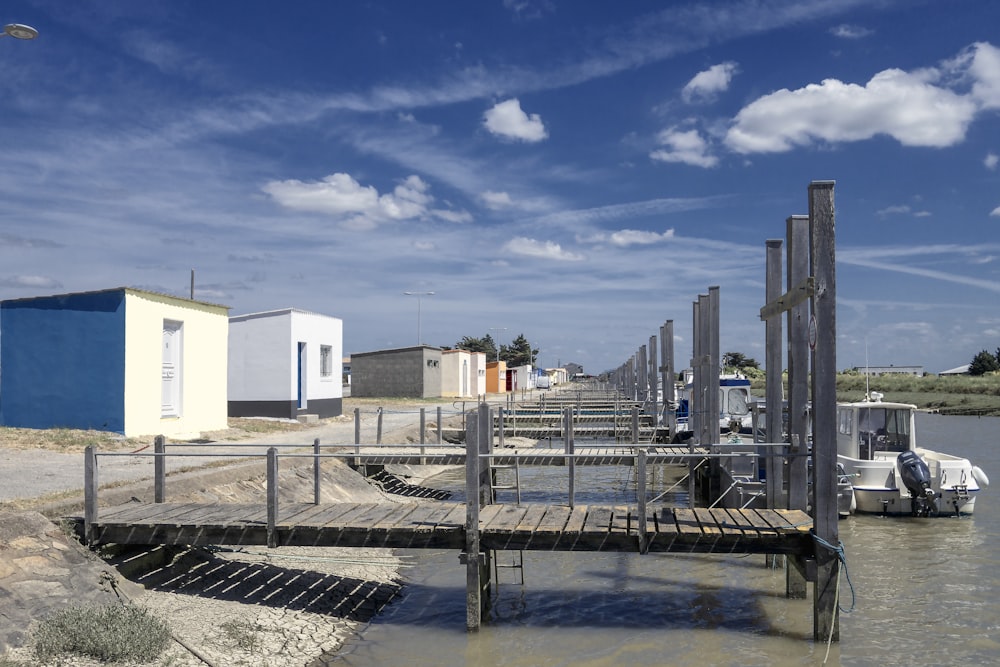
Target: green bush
[[114, 633]]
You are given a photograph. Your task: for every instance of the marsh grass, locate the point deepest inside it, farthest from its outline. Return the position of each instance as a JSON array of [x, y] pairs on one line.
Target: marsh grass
[[108, 634], [947, 394]]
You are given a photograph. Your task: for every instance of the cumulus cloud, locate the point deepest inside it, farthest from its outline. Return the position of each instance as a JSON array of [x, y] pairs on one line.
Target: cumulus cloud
[[706, 85], [506, 119], [847, 31], [341, 196], [995, 212], [991, 160], [932, 107], [685, 146], [496, 200], [541, 249]]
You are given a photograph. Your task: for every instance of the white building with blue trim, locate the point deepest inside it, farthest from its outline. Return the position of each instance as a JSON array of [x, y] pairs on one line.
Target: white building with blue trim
[[123, 359]]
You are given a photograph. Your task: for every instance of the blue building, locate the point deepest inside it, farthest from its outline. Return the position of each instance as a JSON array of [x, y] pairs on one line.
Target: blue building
[[122, 360]]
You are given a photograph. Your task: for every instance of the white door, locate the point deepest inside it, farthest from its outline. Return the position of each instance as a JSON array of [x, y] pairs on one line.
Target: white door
[[171, 376]]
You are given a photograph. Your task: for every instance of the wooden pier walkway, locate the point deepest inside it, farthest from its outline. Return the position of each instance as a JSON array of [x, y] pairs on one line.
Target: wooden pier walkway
[[442, 525]]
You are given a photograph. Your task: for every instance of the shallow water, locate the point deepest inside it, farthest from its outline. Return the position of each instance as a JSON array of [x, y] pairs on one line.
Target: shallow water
[[923, 593]]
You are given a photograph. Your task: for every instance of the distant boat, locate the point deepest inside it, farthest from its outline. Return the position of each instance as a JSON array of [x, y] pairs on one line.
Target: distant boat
[[734, 403], [878, 451]]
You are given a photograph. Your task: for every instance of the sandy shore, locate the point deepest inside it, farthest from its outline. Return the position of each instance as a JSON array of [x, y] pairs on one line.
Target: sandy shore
[[253, 606]]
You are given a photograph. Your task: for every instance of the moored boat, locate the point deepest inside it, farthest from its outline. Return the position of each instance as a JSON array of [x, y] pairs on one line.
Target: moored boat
[[878, 451]]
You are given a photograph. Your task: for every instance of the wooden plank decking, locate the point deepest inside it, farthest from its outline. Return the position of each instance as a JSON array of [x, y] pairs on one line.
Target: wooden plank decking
[[441, 525]]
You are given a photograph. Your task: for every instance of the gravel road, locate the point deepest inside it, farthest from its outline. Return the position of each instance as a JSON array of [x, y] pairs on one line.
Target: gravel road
[[37, 473]]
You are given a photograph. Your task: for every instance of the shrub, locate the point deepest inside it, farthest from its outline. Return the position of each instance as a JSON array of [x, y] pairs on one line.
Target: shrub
[[114, 633]]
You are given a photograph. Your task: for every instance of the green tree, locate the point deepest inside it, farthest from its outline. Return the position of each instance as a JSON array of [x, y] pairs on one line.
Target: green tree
[[484, 344], [983, 363], [519, 352], [738, 361]]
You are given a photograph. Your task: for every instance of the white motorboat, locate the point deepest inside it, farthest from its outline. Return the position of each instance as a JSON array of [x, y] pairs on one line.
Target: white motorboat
[[877, 449], [734, 401]]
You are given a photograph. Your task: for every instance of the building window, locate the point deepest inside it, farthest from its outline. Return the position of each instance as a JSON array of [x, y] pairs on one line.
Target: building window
[[325, 361]]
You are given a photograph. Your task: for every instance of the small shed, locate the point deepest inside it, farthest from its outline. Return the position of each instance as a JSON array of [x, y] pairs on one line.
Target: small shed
[[125, 360], [410, 372], [285, 363], [463, 373]]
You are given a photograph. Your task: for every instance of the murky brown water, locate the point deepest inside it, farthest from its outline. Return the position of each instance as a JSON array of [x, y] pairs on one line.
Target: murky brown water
[[925, 593]]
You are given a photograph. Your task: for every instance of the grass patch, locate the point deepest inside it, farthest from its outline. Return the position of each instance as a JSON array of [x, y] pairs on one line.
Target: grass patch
[[242, 634], [110, 634]]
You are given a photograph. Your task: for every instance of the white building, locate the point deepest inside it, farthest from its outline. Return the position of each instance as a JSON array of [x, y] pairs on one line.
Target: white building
[[285, 363], [463, 373]]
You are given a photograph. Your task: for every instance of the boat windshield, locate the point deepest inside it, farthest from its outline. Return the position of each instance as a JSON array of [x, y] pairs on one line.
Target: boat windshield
[[735, 400], [883, 430]]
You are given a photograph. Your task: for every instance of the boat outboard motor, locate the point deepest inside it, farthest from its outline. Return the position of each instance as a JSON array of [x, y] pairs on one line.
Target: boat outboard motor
[[916, 476]]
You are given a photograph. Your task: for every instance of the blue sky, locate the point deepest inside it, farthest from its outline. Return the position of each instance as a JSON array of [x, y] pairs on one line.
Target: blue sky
[[578, 172]]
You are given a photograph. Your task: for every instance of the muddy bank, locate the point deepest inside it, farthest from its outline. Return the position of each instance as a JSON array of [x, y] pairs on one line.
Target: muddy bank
[[252, 606]]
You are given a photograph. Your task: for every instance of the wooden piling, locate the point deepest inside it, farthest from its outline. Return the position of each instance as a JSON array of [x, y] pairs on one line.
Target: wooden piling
[[773, 365], [159, 469], [823, 341]]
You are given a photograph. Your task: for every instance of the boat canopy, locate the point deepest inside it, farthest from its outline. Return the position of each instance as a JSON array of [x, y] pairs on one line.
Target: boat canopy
[[865, 430]]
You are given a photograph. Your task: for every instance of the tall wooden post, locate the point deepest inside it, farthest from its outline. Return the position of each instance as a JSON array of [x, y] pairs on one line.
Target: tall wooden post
[[797, 236], [317, 471], [272, 497], [654, 398], [714, 363], [642, 383], [90, 485], [159, 469], [823, 340], [669, 397], [569, 447], [772, 361], [479, 427], [798, 362]]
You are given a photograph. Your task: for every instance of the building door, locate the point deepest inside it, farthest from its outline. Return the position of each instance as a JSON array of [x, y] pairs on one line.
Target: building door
[[172, 374], [302, 398]]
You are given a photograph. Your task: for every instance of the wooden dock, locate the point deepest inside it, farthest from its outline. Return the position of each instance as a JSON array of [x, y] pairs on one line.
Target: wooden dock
[[476, 528], [442, 525]]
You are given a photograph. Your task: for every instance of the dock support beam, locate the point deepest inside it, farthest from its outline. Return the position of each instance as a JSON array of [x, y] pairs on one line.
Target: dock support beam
[[159, 469], [89, 493], [479, 427], [823, 341]]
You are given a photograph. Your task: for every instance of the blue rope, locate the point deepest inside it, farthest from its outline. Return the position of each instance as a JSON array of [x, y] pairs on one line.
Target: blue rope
[[842, 557]]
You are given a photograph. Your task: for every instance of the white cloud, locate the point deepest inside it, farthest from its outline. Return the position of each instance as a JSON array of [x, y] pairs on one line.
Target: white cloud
[[915, 108], [847, 31], [506, 119], [541, 249], [686, 147], [984, 70], [361, 206], [902, 209], [496, 200], [628, 237], [995, 213], [452, 216], [991, 160], [33, 282], [707, 84]]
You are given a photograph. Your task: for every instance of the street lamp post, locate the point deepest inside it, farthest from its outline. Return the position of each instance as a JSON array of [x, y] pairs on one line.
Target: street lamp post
[[498, 330], [19, 31], [418, 295]]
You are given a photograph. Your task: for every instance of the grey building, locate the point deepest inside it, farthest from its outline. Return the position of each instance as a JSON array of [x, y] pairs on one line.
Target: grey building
[[409, 372]]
